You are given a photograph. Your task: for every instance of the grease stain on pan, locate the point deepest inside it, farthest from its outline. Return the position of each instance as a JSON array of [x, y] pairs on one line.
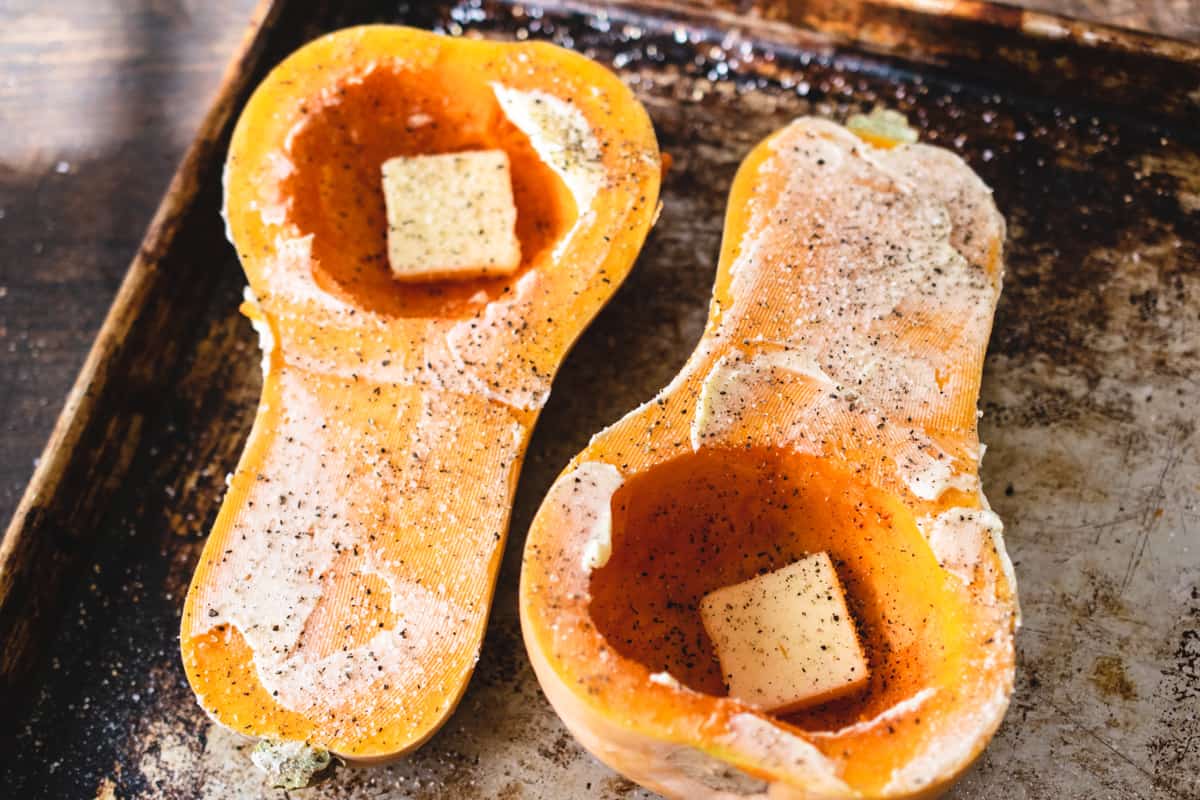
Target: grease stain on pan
[[1109, 676], [1089, 399]]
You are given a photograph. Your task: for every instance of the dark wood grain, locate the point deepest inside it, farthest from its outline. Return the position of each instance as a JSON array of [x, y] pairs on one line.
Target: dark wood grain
[[97, 103], [1101, 294], [94, 441]]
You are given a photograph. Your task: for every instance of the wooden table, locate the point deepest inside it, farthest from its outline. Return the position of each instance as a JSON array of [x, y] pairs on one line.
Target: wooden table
[[97, 102]]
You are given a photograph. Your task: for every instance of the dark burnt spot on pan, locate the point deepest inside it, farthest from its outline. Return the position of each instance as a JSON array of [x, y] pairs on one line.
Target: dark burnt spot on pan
[[1177, 695], [1104, 214], [111, 702], [1071, 220]]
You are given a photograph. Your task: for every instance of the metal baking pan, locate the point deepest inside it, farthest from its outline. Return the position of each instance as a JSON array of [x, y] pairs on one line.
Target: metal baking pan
[[1091, 396]]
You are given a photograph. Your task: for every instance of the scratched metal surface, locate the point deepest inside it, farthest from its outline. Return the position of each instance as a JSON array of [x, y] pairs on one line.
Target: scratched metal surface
[[1090, 398]]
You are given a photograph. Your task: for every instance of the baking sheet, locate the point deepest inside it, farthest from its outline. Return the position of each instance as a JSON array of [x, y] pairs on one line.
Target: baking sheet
[[1091, 395]]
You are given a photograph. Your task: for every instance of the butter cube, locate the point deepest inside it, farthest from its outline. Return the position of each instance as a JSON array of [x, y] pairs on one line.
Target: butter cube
[[451, 216], [785, 639]]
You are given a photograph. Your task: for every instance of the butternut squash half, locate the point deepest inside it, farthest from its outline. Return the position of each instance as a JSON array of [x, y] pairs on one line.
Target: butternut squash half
[[829, 408], [342, 596]]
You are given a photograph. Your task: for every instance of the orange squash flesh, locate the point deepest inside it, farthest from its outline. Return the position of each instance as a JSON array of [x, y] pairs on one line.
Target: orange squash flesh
[[830, 406], [342, 596]]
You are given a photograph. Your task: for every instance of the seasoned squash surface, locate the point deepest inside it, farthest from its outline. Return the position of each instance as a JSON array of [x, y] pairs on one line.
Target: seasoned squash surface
[[342, 596], [830, 407]]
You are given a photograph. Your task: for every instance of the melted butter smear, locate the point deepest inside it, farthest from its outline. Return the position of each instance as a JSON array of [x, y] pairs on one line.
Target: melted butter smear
[[466, 356], [849, 324], [372, 460], [884, 295], [368, 530]]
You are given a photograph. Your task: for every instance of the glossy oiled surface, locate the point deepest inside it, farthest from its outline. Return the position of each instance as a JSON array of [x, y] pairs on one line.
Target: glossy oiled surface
[[827, 407], [385, 116], [342, 596], [1086, 377], [702, 522], [115, 91]]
